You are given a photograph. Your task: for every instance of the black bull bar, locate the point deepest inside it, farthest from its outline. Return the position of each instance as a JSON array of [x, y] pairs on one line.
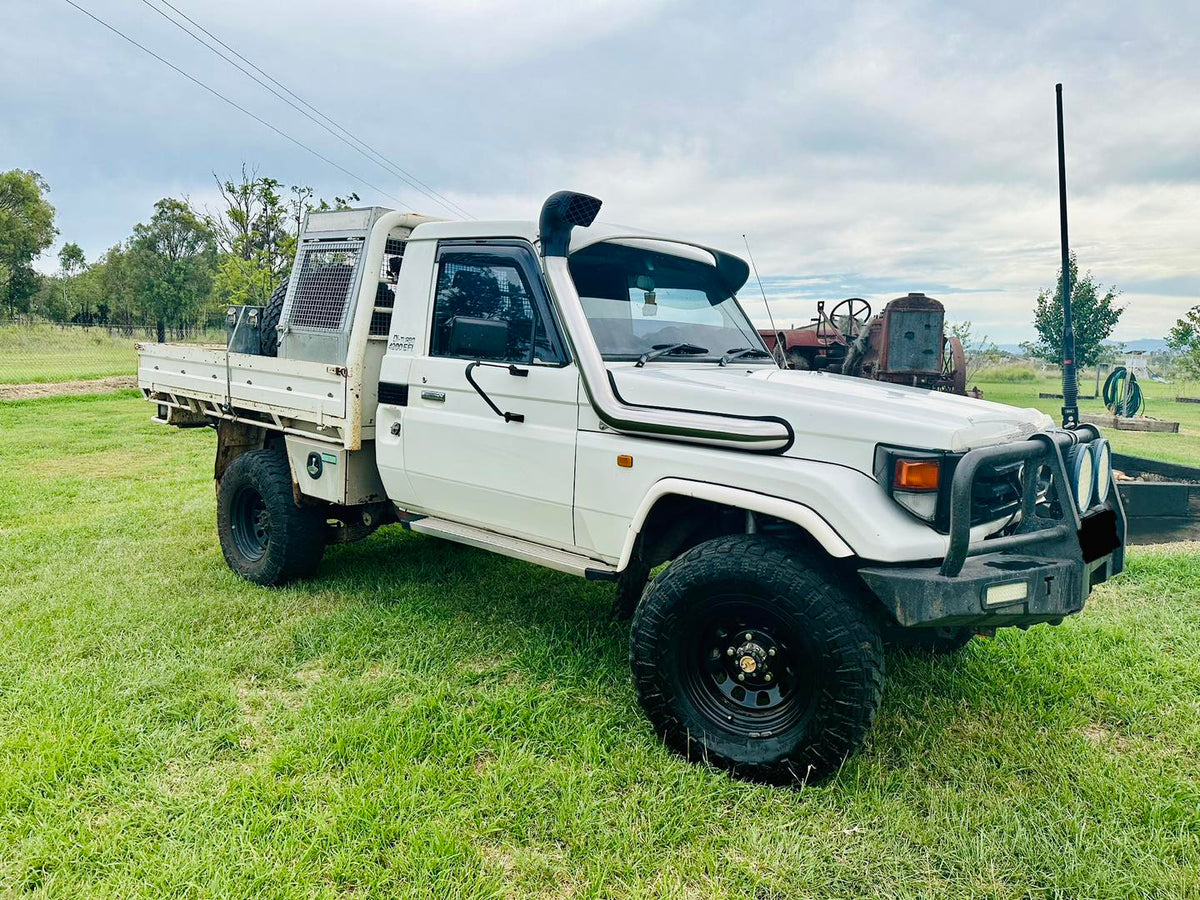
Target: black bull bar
[[1057, 554]]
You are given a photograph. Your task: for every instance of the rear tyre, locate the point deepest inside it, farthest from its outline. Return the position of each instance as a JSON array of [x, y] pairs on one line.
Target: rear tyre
[[757, 659], [936, 641], [268, 334], [265, 536]]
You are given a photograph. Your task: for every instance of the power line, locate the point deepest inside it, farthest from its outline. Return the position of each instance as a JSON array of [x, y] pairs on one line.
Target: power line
[[235, 105], [349, 139]]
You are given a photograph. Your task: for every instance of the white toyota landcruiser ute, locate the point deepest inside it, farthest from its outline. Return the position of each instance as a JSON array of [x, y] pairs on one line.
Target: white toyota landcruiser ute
[[595, 400]]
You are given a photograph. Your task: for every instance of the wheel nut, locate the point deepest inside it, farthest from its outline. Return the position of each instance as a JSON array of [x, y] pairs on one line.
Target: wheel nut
[[730, 652], [749, 636], [771, 651], [741, 677], [767, 677]]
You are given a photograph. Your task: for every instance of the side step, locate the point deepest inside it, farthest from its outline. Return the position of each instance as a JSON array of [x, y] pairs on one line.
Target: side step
[[559, 560]]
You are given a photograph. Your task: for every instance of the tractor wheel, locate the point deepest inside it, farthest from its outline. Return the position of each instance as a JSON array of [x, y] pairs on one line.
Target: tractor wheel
[[954, 368], [797, 360], [757, 658]]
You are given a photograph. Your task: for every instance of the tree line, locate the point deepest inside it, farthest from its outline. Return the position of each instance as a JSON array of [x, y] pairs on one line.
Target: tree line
[[176, 272]]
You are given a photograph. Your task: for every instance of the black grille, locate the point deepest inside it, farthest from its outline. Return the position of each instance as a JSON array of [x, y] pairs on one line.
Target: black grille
[[393, 394], [997, 493]]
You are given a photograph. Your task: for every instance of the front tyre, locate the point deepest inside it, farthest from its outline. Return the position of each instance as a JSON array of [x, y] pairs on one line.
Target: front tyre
[[265, 536], [755, 658]]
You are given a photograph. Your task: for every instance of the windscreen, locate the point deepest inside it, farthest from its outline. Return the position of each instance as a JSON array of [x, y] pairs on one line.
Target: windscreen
[[638, 300]]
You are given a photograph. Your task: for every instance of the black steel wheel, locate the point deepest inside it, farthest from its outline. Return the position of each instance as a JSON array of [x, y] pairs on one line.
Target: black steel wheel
[[251, 523], [265, 537], [751, 669], [757, 658]]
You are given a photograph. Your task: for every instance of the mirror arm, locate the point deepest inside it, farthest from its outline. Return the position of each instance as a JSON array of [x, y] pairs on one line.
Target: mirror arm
[[512, 370]]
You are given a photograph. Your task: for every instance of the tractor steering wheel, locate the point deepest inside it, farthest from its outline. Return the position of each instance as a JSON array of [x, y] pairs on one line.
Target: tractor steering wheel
[[855, 315]]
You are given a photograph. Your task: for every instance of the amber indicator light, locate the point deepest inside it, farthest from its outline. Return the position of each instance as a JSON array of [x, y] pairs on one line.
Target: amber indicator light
[[917, 475], [625, 462]]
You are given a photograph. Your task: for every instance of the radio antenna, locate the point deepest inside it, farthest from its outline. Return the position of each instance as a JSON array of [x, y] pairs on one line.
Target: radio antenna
[[776, 355], [1070, 383]]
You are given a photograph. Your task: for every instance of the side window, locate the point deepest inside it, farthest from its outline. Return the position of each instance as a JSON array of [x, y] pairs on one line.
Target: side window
[[484, 308]]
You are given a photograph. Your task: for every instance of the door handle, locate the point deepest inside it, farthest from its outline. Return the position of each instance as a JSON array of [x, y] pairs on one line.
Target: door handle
[[435, 396]]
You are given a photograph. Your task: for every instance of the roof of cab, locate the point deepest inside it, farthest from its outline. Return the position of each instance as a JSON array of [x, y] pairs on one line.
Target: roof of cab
[[733, 268]]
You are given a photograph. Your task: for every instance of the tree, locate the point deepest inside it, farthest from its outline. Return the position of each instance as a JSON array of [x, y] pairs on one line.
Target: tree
[[979, 351], [72, 261], [172, 260], [26, 229], [256, 231], [1094, 316], [1184, 339]]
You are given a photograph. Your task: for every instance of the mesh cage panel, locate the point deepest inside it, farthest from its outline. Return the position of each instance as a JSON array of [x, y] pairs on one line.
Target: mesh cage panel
[[323, 286]]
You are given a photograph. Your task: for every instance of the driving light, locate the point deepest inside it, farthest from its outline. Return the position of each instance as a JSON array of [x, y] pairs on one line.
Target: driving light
[[1102, 463], [1083, 481], [1000, 594]]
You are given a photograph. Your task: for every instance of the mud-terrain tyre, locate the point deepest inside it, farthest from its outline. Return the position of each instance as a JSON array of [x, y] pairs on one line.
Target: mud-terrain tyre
[[268, 334], [804, 639], [265, 536], [935, 641]]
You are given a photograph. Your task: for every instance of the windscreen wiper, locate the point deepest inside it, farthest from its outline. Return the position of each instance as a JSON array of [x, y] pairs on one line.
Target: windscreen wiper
[[666, 350], [739, 352]]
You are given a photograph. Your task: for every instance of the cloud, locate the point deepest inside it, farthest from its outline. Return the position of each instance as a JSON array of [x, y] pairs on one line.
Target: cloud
[[871, 148]]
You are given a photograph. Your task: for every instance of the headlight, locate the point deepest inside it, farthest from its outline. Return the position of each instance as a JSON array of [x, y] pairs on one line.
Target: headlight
[[915, 485], [1102, 463], [1083, 481]]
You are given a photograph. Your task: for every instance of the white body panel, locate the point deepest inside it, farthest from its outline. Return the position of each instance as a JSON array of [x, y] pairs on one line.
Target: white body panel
[[553, 479], [292, 389], [468, 464]]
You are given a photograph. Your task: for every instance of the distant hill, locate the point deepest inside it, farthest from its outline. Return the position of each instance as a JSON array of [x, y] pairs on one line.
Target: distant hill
[[1144, 345]]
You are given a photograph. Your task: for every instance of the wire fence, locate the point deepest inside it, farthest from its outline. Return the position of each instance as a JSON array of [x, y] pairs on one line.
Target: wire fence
[[45, 353]]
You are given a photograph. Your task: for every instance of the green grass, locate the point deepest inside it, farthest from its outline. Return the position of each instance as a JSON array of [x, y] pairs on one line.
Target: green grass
[[1183, 448], [427, 720], [44, 353], [32, 354]]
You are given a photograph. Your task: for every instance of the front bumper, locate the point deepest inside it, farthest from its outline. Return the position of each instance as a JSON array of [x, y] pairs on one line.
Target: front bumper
[[1040, 572]]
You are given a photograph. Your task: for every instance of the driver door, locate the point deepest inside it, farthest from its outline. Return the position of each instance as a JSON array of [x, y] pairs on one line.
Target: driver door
[[494, 348]]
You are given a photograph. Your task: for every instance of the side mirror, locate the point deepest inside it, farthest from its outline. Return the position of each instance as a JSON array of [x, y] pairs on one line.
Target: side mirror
[[478, 338]]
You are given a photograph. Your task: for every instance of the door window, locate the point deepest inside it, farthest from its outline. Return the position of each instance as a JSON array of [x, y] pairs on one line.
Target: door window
[[485, 308]]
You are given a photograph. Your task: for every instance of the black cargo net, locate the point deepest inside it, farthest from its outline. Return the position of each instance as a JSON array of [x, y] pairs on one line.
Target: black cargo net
[[323, 286]]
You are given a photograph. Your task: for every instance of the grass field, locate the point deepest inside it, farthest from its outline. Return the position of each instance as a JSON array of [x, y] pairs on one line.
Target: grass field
[[1183, 447], [427, 720], [37, 354]]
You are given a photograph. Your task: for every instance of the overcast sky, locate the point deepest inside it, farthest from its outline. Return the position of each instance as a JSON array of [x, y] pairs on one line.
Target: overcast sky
[[866, 149]]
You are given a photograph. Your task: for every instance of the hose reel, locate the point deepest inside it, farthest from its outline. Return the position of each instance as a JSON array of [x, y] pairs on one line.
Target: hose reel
[[1122, 394]]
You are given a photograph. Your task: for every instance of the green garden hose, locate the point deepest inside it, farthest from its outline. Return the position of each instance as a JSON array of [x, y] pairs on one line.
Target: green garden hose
[[1122, 393]]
